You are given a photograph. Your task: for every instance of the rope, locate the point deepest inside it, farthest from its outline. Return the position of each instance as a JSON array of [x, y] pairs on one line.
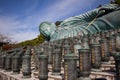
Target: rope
[[91, 22]]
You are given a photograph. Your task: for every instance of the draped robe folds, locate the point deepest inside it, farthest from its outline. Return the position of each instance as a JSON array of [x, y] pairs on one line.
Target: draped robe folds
[[99, 19]]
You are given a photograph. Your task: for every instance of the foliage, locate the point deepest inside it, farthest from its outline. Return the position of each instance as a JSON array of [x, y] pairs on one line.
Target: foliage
[[117, 2], [7, 46], [4, 38], [5, 42], [33, 42]]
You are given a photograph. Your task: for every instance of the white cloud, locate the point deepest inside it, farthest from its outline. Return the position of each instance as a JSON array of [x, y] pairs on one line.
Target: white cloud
[[27, 35], [16, 29], [63, 8]]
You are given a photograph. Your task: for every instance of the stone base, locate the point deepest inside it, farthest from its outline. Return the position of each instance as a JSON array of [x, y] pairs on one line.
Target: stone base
[[52, 77], [56, 73], [15, 73], [84, 78], [28, 76], [96, 70], [105, 63], [7, 70], [1, 67], [107, 67], [49, 65], [107, 75]]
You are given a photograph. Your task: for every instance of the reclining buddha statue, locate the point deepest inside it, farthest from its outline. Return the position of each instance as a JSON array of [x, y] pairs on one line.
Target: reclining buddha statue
[[102, 18]]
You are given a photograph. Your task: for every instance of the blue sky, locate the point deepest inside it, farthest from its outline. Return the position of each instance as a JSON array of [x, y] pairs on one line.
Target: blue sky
[[20, 19]]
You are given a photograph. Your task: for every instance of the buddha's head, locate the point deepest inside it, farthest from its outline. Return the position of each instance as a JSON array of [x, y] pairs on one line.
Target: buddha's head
[[46, 28]]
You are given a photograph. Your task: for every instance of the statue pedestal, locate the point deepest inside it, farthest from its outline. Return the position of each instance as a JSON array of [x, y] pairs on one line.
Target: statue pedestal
[[105, 63], [56, 58], [56, 73], [70, 67], [7, 70], [84, 78], [27, 76], [96, 70], [15, 73], [43, 67]]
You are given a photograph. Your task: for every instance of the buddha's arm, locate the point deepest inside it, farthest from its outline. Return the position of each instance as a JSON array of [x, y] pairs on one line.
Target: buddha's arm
[[88, 16], [106, 22]]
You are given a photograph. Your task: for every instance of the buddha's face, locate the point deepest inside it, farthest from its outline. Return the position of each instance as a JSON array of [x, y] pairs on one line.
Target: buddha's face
[[46, 28]]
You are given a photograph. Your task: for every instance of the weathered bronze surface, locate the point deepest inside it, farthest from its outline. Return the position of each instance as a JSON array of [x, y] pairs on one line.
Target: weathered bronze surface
[[8, 61], [118, 41], [84, 62], [70, 67], [50, 54], [56, 56], [104, 50], [16, 64], [117, 65], [43, 67], [95, 55], [26, 66], [2, 61], [112, 43]]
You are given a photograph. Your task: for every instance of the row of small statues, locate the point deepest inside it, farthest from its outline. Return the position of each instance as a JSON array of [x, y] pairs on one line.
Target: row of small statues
[[69, 51]]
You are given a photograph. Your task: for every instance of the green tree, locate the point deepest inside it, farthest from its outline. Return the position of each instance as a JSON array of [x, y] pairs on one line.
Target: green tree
[[40, 39], [117, 2]]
